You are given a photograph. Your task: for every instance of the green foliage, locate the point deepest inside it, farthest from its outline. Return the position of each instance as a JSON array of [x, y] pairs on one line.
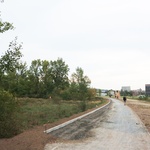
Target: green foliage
[[40, 111], [10, 67], [143, 97], [82, 105], [9, 122], [47, 78], [66, 95], [34, 78], [42, 79], [59, 73], [79, 85], [125, 93], [35, 112], [10, 60], [5, 26]]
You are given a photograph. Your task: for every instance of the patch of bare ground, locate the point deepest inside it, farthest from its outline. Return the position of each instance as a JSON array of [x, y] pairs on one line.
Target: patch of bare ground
[[35, 139], [142, 109]]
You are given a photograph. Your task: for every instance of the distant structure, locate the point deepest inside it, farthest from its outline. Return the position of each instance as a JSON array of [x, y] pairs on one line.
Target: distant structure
[[147, 89], [111, 93], [126, 88], [104, 92]]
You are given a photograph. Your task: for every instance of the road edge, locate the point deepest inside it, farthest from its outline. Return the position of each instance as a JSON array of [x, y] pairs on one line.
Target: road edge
[[75, 119]]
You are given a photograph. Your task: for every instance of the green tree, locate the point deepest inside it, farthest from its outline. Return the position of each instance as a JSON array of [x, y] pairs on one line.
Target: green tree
[[21, 88], [59, 73], [10, 60], [34, 78], [5, 26], [9, 64], [9, 122], [82, 83], [125, 93], [46, 81]]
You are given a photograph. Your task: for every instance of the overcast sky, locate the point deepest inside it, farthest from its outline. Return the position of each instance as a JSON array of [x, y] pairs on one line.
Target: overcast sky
[[108, 39]]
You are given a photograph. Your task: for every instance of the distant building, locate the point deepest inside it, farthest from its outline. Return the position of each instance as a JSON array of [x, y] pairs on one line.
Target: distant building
[[110, 93], [147, 89], [126, 88], [103, 92]]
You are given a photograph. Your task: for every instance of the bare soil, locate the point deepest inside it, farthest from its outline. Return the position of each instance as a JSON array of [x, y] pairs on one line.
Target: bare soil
[[36, 139], [142, 109]]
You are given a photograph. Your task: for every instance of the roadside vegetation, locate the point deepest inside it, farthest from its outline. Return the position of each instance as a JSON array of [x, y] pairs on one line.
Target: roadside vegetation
[[20, 114], [40, 93], [41, 111], [140, 97]]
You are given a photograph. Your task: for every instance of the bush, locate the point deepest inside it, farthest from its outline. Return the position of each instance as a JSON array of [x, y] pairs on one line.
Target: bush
[[66, 95], [82, 105], [142, 97], [9, 123]]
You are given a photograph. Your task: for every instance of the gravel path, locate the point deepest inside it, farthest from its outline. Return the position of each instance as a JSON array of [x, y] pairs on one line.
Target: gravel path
[[120, 129]]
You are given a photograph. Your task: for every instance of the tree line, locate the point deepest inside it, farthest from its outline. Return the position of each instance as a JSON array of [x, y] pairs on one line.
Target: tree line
[[42, 78]]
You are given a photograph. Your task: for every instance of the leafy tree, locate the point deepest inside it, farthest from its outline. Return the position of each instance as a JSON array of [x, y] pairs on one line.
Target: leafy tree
[[5, 62], [9, 64], [82, 83], [5, 26], [9, 123], [46, 81], [34, 78], [79, 77], [73, 91], [59, 73], [125, 93], [21, 88], [10, 61], [92, 93]]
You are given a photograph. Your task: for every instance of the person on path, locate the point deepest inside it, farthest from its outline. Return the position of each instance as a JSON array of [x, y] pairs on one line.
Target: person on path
[[124, 99]]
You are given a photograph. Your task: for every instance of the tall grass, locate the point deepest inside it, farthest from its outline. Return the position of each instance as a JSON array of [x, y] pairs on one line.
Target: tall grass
[[40, 111]]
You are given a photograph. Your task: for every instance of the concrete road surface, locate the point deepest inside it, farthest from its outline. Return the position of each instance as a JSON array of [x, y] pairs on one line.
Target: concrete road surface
[[120, 130]]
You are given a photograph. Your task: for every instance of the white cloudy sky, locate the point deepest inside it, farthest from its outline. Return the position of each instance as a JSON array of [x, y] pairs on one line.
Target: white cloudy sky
[[108, 39]]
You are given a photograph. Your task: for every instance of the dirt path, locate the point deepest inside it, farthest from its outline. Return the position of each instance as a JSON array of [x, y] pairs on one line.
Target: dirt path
[[120, 129]]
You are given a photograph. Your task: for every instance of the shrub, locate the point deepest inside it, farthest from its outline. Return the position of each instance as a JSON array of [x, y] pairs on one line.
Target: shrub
[[142, 97], [9, 123], [82, 105]]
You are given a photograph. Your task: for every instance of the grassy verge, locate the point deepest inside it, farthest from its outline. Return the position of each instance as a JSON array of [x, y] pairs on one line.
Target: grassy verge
[[147, 99], [40, 111]]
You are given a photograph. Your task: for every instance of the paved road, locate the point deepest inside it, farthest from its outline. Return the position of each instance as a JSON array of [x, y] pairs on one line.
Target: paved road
[[120, 130]]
